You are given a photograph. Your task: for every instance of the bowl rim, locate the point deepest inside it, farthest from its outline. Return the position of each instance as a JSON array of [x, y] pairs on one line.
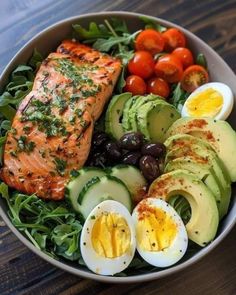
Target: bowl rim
[[84, 273]]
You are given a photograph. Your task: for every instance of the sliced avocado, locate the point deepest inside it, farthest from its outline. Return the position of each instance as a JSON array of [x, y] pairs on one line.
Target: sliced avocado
[[125, 119], [142, 100], [205, 172], [154, 119], [185, 146], [219, 134], [137, 104], [114, 114], [204, 221]]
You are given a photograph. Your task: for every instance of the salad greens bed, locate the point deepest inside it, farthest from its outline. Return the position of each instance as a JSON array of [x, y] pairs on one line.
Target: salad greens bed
[[53, 227]]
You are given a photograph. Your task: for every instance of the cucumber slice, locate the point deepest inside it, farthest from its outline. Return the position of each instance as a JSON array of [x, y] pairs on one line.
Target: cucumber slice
[[114, 114], [103, 188], [77, 182], [132, 178]]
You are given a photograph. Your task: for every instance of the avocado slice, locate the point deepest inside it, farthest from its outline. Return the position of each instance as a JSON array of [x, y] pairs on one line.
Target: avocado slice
[[140, 101], [154, 119], [205, 172], [219, 134], [204, 221], [114, 114], [183, 145], [125, 119]]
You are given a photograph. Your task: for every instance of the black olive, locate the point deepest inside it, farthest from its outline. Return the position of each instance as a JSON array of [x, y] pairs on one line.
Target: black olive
[[99, 139], [132, 158], [131, 141], [112, 149], [97, 159], [154, 149], [149, 167]]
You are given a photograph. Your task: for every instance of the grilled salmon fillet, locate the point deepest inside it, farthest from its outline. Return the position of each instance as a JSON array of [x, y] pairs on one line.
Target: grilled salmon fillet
[[52, 129]]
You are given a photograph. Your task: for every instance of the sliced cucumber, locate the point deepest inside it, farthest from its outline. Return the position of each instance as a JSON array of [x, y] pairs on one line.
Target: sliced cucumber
[[132, 178], [77, 182], [114, 115], [103, 188]]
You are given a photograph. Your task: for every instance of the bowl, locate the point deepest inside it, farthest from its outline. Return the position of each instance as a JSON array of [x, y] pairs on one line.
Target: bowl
[[46, 42]]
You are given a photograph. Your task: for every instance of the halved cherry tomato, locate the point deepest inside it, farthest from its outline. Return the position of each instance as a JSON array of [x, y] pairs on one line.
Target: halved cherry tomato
[[136, 85], [169, 68], [173, 39], [142, 64], [193, 77], [158, 86], [150, 40], [184, 55]]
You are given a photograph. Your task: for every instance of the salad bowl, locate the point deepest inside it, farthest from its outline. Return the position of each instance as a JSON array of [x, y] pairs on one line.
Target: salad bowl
[[46, 42]]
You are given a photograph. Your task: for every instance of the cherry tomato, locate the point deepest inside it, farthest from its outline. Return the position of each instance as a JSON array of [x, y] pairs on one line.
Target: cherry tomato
[[169, 68], [173, 39], [184, 55], [136, 85], [193, 77], [159, 87], [150, 40], [142, 64]]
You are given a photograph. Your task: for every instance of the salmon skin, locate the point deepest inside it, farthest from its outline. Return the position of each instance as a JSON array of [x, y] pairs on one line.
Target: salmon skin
[[52, 129]]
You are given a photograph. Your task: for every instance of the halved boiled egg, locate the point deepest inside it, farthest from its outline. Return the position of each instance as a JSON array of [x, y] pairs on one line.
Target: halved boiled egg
[[161, 235], [107, 240], [214, 100]]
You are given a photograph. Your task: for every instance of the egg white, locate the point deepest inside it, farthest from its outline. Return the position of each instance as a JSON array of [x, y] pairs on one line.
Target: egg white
[[177, 249], [96, 263], [224, 90]]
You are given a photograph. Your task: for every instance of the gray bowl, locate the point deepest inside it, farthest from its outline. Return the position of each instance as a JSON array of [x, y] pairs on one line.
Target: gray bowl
[[46, 42]]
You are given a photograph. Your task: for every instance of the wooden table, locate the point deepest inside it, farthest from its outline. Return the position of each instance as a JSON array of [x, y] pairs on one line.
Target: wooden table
[[21, 271]]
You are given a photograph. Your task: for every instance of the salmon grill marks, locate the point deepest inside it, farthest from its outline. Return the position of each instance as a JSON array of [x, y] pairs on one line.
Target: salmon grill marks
[[106, 77], [52, 129]]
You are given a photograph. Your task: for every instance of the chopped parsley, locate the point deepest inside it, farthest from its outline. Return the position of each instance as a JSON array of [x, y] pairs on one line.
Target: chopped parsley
[[60, 165], [25, 146]]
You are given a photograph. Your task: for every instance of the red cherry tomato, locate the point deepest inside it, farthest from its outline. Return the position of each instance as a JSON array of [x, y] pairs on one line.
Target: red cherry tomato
[[169, 68], [193, 77], [184, 55], [150, 40], [173, 39], [158, 86], [142, 64], [136, 85]]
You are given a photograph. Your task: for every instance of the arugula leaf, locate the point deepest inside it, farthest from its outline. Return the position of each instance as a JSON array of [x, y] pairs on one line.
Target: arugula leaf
[[66, 238], [50, 226], [105, 45], [94, 31], [182, 207], [179, 96], [201, 60], [151, 24], [36, 60], [119, 25]]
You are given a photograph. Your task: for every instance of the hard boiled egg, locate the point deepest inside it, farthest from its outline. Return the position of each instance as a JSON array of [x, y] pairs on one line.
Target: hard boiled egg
[[214, 100], [108, 238], [161, 235]]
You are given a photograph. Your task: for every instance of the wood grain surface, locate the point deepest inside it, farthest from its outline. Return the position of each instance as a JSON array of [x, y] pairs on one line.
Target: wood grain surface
[[21, 271]]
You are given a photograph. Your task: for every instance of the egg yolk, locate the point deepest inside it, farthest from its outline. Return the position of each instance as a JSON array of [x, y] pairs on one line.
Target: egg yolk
[[206, 103], [155, 230], [111, 236]]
